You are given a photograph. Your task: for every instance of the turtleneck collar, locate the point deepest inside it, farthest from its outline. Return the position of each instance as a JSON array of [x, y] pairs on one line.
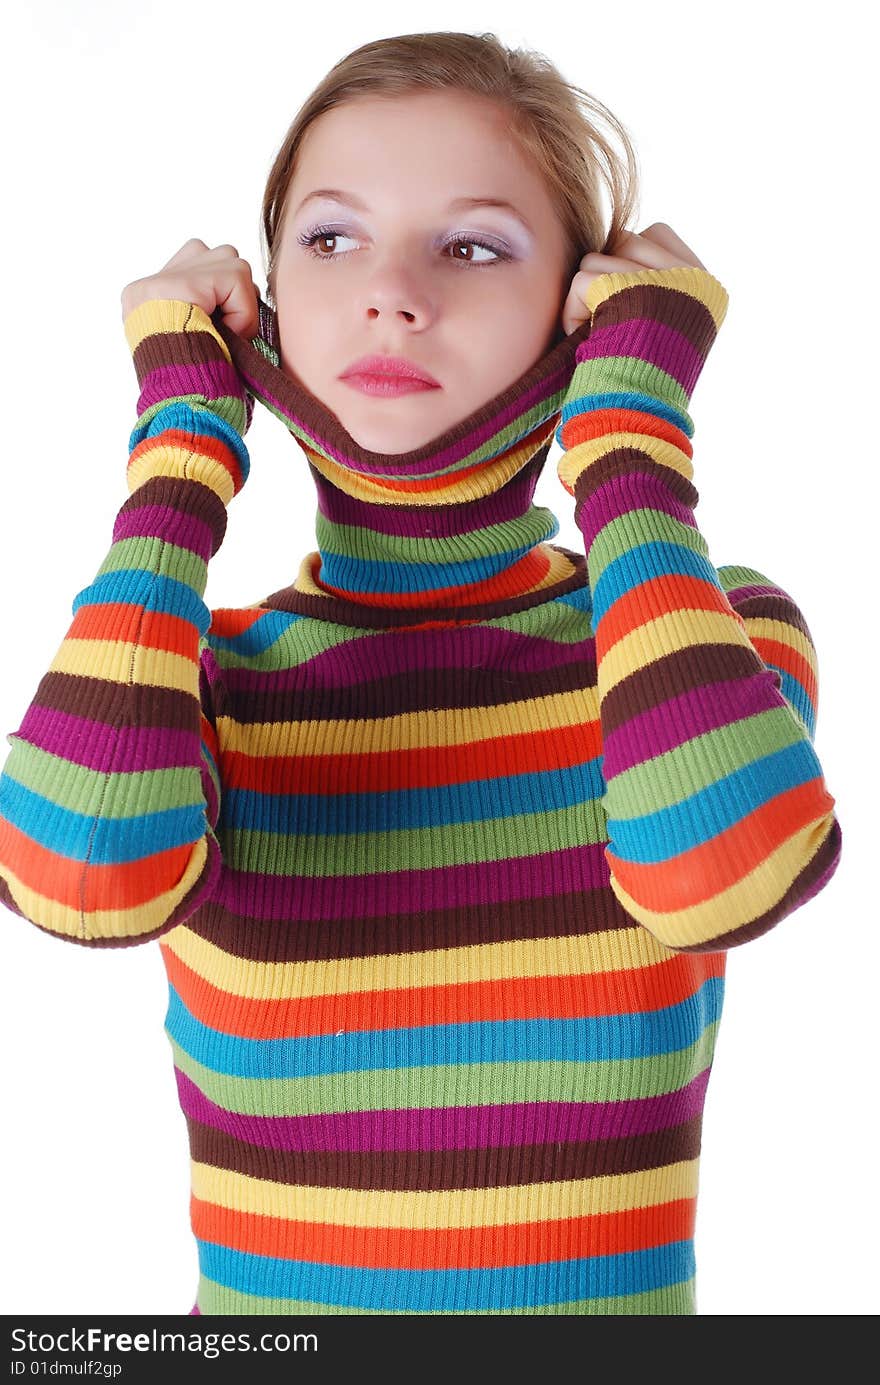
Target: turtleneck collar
[[443, 534]]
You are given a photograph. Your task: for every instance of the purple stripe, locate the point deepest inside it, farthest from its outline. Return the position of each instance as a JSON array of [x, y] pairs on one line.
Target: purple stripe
[[295, 898], [386, 653], [164, 521], [510, 502], [647, 339], [621, 495], [96, 746], [213, 379], [675, 721], [451, 1127]]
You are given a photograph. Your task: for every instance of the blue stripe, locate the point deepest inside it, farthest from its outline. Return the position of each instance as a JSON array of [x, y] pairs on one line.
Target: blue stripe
[[419, 575], [646, 561], [584, 1039], [257, 638], [141, 587], [191, 418], [624, 399], [665, 834], [494, 1289], [103, 841], [439, 805], [793, 690]]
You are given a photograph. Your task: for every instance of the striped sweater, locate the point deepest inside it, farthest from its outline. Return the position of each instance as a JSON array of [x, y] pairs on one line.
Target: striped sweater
[[445, 843]]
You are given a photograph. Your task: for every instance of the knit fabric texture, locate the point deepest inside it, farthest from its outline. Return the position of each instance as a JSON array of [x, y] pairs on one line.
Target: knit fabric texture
[[444, 844]]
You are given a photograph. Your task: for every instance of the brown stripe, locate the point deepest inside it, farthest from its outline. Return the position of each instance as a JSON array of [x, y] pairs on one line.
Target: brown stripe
[[327, 430], [118, 704], [181, 348], [625, 462], [768, 607], [500, 1166], [790, 901], [340, 611], [675, 308], [674, 674], [185, 494], [259, 698], [570, 914]]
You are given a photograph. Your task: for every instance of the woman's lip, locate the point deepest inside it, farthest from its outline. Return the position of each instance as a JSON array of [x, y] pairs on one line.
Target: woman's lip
[[388, 385]]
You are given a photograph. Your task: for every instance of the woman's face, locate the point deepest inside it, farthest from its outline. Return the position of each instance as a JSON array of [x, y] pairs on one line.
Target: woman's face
[[393, 268]]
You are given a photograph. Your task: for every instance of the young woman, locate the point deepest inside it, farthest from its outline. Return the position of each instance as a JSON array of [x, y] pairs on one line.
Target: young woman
[[445, 843]]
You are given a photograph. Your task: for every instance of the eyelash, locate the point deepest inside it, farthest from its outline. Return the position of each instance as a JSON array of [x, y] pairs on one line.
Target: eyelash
[[308, 238]]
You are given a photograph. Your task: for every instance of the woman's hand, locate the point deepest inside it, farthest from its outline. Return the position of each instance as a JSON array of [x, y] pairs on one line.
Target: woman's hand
[[657, 247], [212, 279]]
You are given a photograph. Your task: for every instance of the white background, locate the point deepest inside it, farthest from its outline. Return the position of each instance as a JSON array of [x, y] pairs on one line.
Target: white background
[[129, 128]]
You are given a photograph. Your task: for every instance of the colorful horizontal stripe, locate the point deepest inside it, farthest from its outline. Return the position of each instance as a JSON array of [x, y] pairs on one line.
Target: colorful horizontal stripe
[[446, 842]]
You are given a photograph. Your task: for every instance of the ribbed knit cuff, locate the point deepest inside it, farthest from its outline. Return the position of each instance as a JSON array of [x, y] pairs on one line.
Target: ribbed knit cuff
[[179, 354]]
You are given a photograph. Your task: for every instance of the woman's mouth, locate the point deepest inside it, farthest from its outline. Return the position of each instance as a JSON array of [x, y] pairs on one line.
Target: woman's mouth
[[388, 385]]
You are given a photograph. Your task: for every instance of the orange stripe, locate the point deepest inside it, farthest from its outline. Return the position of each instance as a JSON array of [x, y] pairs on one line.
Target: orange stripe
[[119, 621], [229, 621], [658, 596], [788, 660], [697, 875], [125, 885], [595, 423], [444, 1248], [209, 735], [637, 990], [370, 771]]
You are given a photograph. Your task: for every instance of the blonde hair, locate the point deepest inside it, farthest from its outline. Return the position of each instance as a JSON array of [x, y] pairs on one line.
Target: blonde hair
[[553, 121]]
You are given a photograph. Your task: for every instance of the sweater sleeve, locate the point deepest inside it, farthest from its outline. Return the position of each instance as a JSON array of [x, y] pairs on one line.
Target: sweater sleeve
[[719, 821], [110, 793]]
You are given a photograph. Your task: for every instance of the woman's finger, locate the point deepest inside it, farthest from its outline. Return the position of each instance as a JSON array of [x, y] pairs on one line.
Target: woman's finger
[[663, 235]]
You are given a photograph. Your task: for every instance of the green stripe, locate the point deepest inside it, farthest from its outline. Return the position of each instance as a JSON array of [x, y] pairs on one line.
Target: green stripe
[[607, 1079], [157, 556], [90, 792], [626, 375], [640, 526], [227, 406], [675, 775], [675, 1299], [358, 541], [362, 852]]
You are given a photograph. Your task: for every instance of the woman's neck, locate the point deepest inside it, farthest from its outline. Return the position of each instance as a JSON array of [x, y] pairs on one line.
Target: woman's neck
[[439, 534]]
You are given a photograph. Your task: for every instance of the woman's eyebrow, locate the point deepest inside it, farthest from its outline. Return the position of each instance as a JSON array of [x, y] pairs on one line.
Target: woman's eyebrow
[[458, 204]]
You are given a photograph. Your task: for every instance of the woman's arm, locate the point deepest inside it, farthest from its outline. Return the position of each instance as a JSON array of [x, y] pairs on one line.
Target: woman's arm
[[111, 790], [719, 820]]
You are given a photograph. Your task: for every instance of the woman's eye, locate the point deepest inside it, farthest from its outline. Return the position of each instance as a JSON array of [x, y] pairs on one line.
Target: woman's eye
[[311, 240], [495, 251]]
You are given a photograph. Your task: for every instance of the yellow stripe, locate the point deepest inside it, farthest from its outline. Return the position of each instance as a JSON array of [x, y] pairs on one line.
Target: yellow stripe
[[124, 661], [456, 726], [166, 459], [105, 923], [584, 955], [672, 631], [159, 315], [585, 454], [461, 1207], [748, 899], [690, 279], [489, 478]]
